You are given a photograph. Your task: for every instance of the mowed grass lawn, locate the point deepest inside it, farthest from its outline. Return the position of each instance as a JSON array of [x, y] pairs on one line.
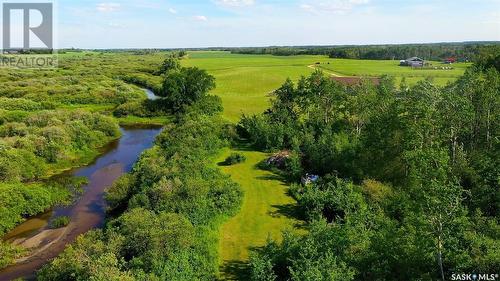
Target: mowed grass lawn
[[267, 210], [245, 81]]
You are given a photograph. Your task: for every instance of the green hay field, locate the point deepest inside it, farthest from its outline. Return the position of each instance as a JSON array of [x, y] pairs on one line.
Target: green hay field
[[245, 81], [346, 67]]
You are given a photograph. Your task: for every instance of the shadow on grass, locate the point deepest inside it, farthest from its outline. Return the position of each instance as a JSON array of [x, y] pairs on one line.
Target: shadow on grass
[[223, 164], [238, 270], [277, 174], [235, 270], [242, 145], [291, 211], [272, 177]]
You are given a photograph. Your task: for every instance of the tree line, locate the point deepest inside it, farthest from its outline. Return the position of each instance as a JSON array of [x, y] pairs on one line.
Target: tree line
[[438, 51]]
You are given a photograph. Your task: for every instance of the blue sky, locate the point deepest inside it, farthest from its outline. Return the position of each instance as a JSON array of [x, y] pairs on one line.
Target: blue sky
[[176, 23]]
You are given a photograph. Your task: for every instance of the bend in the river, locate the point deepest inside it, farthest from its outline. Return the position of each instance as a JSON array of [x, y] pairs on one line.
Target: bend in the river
[[88, 212]]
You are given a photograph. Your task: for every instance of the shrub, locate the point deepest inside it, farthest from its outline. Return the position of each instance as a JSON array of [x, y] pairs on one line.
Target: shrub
[[60, 222], [19, 104], [18, 201], [131, 108], [234, 158], [13, 129], [120, 192], [207, 105], [8, 253]]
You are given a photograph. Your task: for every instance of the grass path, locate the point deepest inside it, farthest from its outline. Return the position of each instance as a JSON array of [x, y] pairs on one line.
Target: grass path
[[267, 210], [325, 71]]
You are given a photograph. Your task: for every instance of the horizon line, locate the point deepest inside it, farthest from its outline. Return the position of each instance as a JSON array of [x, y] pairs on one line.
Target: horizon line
[[286, 46]]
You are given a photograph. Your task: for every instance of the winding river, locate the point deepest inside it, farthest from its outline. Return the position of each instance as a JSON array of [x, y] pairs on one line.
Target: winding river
[[88, 212]]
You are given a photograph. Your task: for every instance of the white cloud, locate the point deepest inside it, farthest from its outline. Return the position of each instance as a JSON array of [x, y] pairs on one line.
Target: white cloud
[[116, 25], [108, 7], [334, 6], [307, 7], [172, 11], [148, 5], [200, 18], [234, 3], [357, 2]]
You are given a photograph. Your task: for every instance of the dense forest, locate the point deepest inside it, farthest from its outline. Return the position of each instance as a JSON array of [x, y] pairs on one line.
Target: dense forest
[[408, 183], [437, 52]]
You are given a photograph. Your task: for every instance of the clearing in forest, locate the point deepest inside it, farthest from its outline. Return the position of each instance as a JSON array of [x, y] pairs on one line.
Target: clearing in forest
[[267, 211]]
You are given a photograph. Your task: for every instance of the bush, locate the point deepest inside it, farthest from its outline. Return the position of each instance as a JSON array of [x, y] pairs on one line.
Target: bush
[[8, 253], [19, 104], [18, 201], [207, 105], [310, 257], [60, 222], [13, 129], [330, 198], [234, 158], [130, 108], [264, 134], [120, 192]]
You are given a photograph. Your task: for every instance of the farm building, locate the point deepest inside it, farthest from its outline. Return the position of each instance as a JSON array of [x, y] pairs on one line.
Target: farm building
[[449, 60], [413, 62]]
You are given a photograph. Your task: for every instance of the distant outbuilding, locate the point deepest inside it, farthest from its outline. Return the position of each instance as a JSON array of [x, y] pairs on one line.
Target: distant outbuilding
[[413, 62], [449, 60]]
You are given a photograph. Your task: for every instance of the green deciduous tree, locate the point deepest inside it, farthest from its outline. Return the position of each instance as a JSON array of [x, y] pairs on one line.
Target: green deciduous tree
[[186, 86]]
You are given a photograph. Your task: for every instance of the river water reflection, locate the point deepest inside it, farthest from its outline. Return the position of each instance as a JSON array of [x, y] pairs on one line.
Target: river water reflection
[[88, 212]]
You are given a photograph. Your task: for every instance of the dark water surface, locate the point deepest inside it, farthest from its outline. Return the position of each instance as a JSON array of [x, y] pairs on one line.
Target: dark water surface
[[88, 212]]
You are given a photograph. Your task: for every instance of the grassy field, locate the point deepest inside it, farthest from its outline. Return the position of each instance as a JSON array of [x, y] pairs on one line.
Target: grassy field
[[244, 81], [346, 67], [266, 212]]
